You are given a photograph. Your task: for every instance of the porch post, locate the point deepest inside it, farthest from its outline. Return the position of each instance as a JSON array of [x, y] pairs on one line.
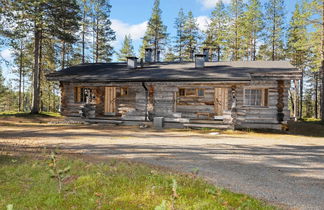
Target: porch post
[[280, 104], [233, 107]]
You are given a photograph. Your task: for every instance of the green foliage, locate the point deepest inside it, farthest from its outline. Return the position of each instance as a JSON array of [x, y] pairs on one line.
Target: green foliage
[[156, 32], [113, 184], [253, 25], [217, 32], [274, 30], [127, 49], [55, 172], [180, 35], [236, 30], [102, 31], [191, 36]]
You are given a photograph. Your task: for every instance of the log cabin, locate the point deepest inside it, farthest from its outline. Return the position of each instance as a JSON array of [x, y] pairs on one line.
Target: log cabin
[[229, 95]]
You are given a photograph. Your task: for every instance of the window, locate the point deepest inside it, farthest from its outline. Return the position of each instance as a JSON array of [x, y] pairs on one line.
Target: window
[[124, 91], [191, 92], [84, 95], [201, 92], [182, 92], [256, 97]]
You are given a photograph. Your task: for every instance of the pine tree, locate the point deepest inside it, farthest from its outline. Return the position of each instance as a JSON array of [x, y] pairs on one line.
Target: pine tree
[[236, 29], [3, 88], [127, 49], [50, 19], [179, 38], [317, 7], [156, 32], [217, 31], [298, 49], [191, 36], [253, 25], [274, 28], [102, 31], [85, 7], [170, 56]]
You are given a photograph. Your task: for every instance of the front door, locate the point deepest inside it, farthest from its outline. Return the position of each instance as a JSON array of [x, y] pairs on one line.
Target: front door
[[110, 100], [221, 101]]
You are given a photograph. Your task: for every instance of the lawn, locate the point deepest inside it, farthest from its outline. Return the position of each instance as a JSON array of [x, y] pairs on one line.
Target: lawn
[[32, 183]]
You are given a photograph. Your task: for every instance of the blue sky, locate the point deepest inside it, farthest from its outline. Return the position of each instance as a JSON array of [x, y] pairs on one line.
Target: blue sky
[[130, 17]]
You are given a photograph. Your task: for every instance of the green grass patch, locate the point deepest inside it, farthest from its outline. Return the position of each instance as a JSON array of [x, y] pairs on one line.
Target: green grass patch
[[28, 115], [26, 183]]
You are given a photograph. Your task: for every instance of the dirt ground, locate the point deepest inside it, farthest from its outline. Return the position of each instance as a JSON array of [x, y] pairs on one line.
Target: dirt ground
[[282, 169]]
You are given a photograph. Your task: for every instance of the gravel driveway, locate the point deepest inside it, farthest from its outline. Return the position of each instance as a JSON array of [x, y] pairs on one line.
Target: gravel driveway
[[284, 170]]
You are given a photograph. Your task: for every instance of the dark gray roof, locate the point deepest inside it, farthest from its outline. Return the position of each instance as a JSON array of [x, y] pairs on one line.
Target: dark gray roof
[[213, 71]]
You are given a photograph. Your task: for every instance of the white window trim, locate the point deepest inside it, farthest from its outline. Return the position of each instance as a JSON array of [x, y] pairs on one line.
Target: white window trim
[[262, 97]]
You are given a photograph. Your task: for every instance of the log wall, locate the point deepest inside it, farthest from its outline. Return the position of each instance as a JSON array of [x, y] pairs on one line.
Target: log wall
[[163, 99]]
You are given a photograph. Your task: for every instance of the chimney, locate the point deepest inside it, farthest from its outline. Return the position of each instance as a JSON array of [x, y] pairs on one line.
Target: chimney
[[148, 55], [199, 61], [206, 53], [158, 56], [132, 62]]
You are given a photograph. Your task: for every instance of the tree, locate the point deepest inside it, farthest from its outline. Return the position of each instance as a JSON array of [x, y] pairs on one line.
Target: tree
[[38, 19], [298, 49], [253, 25], [127, 49], [170, 56], [191, 36], [217, 31], [85, 7], [3, 88], [156, 32], [102, 31], [179, 38], [274, 29], [318, 21], [236, 29], [65, 14]]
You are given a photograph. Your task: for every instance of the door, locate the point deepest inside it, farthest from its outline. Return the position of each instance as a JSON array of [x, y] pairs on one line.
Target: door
[[110, 100], [221, 101]]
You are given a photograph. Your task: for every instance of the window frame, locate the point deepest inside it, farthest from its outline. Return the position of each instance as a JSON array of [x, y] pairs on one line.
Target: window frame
[[124, 91], [78, 98], [264, 103], [196, 90]]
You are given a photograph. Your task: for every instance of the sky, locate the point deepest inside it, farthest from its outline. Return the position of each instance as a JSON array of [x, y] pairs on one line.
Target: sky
[[131, 16]]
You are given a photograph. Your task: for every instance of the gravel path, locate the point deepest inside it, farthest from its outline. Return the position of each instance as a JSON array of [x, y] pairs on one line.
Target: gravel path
[[284, 170]]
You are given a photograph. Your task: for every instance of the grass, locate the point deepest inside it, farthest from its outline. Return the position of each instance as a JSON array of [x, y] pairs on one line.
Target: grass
[[28, 115], [25, 183]]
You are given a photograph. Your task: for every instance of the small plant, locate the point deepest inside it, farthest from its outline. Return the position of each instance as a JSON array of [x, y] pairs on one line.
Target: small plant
[[174, 192], [59, 174], [195, 171], [162, 206]]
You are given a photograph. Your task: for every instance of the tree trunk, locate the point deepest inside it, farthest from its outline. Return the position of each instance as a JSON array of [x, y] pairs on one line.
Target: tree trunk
[[296, 100], [63, 55], [20, 75], [322, 66], [97, 40], [83, 34], [36, 82], [316, 95], [273, 33]]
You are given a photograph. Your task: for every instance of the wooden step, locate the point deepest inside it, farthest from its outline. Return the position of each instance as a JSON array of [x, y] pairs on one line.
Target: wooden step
[[115, 122], [221, 126], [195, 121]]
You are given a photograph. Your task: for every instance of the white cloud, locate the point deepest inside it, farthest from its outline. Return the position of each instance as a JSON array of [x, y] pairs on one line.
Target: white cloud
[[203, 22], [208, 4], [6, 54], [121, 28]]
